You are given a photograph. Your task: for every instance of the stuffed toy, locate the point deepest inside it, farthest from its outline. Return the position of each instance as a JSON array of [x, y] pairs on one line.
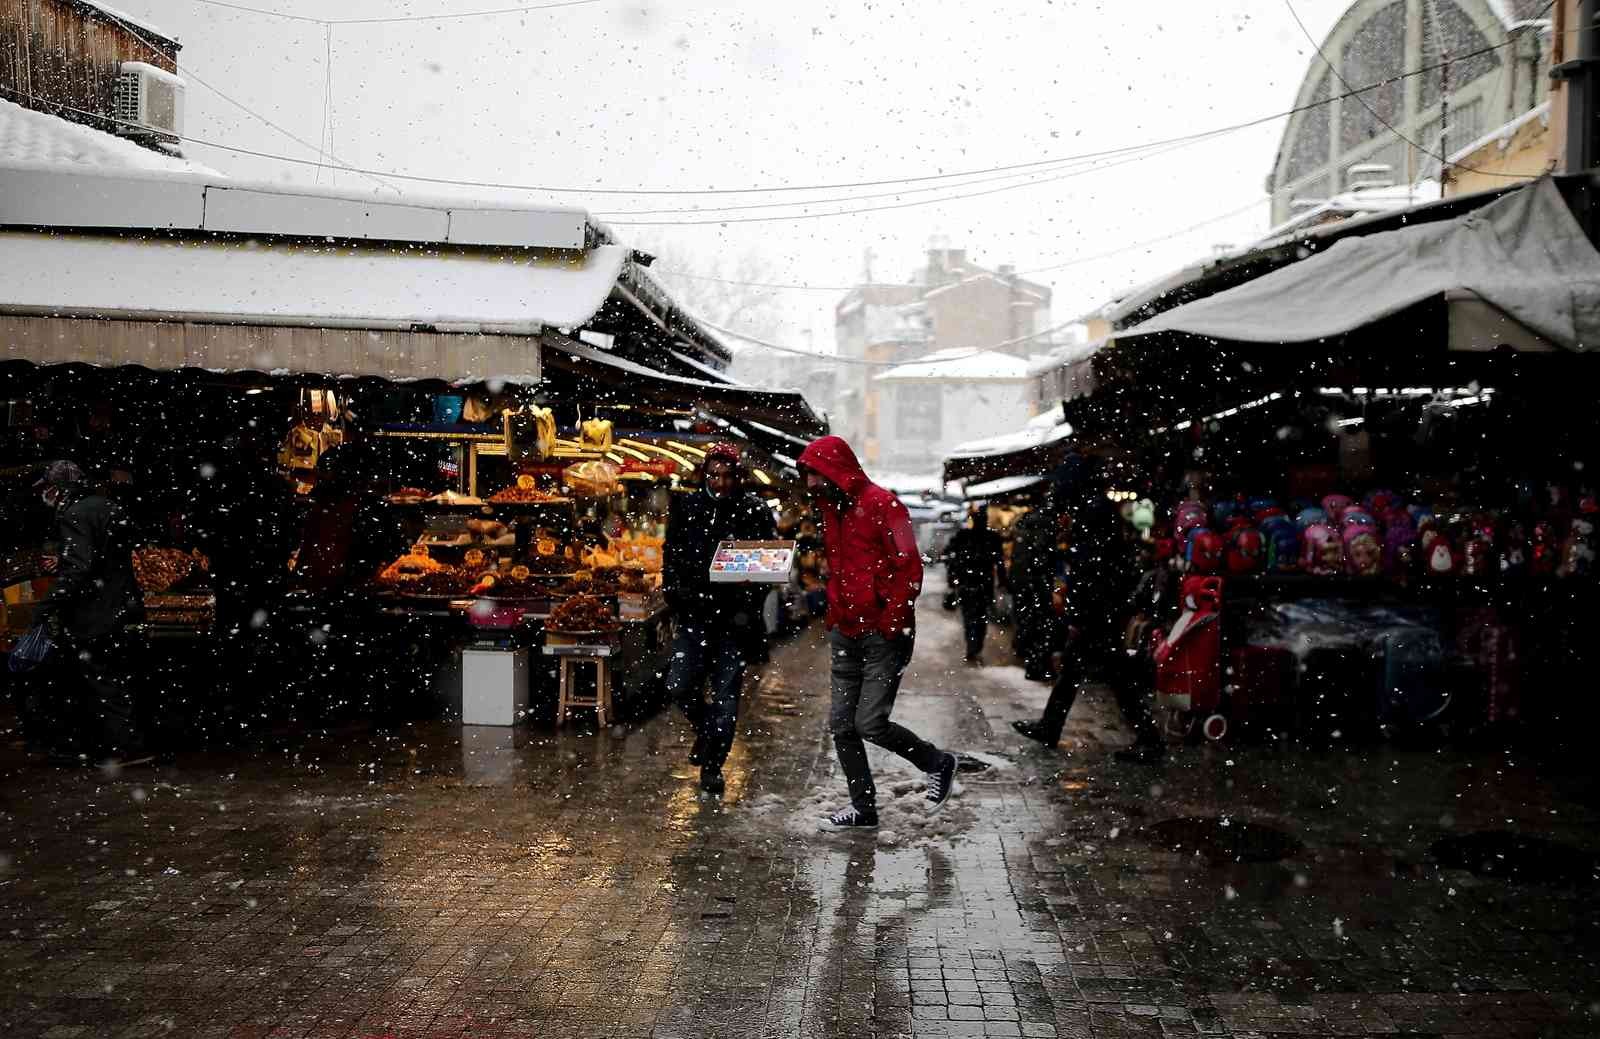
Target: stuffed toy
[[1439, 555]]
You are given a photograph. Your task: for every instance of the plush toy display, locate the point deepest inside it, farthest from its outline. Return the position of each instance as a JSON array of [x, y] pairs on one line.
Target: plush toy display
[[1335, 505]]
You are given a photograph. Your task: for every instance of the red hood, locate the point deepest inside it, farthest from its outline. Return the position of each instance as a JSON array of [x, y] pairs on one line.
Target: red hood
[[832, 457]]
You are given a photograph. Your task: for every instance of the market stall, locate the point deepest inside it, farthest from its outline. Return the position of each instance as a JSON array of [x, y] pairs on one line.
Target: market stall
[[1374, 469]]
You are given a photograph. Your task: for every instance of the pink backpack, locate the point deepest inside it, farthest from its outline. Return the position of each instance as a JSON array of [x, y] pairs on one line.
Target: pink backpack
[[1321, 552], [1246, 552], [1335, 505], [1363, 554]]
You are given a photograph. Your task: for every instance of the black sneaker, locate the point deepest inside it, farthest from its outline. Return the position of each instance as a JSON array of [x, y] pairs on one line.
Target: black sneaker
[[711, 781], [1033, 731], [942, 784], [851, 817]]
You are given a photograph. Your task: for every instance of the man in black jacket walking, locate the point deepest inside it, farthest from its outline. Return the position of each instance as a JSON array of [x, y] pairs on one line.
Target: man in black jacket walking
[[719, 626], [973, 560], [95, 596]]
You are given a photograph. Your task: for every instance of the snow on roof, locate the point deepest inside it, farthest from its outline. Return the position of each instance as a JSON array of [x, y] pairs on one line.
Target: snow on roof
[[1004, 485], [133, 21], [914, 483], [30, 139], [296, 283], [56, 194], [1350, 203], [1502, 135], [960, 363], [1062, 356], [1034, 434]]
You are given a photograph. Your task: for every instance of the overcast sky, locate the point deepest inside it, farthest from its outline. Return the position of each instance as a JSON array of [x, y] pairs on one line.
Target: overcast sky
[[673, 94]]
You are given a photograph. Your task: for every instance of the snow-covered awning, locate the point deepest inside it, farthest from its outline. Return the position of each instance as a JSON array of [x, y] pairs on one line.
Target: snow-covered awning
[[594, 375], [299, 283], [1524, 256], [1003, 486], [1034, 449]]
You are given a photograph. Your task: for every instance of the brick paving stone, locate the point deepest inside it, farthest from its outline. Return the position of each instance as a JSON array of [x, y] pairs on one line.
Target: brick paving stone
[[367, 883]]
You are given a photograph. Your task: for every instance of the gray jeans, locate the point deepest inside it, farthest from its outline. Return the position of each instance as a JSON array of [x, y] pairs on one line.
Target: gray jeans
[[866, 677]]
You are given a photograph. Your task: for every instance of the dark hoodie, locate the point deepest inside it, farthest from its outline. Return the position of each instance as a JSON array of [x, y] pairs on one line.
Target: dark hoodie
[[876, 570]]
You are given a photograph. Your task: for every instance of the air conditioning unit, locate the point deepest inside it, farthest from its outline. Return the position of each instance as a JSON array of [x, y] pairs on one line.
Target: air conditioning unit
[[148, 102]]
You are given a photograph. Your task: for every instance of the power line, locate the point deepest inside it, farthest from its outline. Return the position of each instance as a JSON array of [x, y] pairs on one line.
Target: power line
[[899, 205], [1075, 262], [1058, 160], [1444, 163], [862, 363], [386, 19]]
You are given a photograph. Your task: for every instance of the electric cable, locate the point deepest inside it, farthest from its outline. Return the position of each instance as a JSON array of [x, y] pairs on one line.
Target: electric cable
[[386, 19], [772, 189], [1075, 262]]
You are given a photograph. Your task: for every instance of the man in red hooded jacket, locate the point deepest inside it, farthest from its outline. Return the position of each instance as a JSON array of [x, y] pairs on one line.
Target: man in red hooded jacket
[[875, 575]]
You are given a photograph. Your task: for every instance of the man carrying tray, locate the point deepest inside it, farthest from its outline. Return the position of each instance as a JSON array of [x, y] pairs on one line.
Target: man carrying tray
[[872, 596], [719, 625]]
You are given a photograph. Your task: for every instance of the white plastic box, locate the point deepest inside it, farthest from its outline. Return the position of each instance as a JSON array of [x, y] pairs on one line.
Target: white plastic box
[[494, 686]]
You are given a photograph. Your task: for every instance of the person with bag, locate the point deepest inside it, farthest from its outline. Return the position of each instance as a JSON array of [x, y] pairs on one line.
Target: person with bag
[[719, 628], [974, 561], [86, 612], [876, 572]]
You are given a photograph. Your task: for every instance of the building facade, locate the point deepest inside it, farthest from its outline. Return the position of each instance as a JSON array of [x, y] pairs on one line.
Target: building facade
[[959, 395], [949, 303], [1487, 63]]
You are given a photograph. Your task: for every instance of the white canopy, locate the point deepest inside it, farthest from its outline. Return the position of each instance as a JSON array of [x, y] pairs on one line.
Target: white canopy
[[302, 283], [1524, 255]]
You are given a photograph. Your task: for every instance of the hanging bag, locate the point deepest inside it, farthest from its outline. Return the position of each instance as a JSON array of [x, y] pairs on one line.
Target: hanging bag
[[32, 649]]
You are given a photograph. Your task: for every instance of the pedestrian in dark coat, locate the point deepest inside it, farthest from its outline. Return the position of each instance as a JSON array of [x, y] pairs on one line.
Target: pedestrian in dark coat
[[87, 610], [718, 626], [876, 574], [974, 560]]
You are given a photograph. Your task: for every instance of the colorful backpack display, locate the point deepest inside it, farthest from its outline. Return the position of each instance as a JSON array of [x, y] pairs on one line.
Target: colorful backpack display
[[1282, 543], [1356, 516]]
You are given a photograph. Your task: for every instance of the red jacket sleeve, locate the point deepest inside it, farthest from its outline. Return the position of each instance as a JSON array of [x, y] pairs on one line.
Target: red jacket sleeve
[[903, 582]]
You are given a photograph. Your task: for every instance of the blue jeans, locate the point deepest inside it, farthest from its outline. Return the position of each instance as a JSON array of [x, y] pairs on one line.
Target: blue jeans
[[701, 652], [866, 679]]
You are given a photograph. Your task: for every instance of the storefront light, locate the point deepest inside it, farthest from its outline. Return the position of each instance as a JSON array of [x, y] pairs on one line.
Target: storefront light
[[766, 481], [686, 447]]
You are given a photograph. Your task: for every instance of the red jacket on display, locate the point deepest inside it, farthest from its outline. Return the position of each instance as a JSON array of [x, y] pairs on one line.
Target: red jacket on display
[[875, 568]]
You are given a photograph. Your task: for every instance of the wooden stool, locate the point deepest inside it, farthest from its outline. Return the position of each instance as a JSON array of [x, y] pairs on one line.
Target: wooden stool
[[600, 699]]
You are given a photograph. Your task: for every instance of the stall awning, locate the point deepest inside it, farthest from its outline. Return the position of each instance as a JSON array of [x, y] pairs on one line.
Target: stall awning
[[303, 283], [595, 375], [1523, 256], [1002, 487], [1035, 449]]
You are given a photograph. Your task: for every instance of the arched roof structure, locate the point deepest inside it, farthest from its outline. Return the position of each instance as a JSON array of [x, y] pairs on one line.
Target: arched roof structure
[[1438, 111]]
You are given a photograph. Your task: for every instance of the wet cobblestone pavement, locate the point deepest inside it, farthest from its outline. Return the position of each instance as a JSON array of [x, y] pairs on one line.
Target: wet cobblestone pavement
[[433, 882]]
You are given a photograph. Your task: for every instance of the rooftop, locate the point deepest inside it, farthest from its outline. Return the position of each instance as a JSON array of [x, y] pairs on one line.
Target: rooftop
[[35, 140]]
